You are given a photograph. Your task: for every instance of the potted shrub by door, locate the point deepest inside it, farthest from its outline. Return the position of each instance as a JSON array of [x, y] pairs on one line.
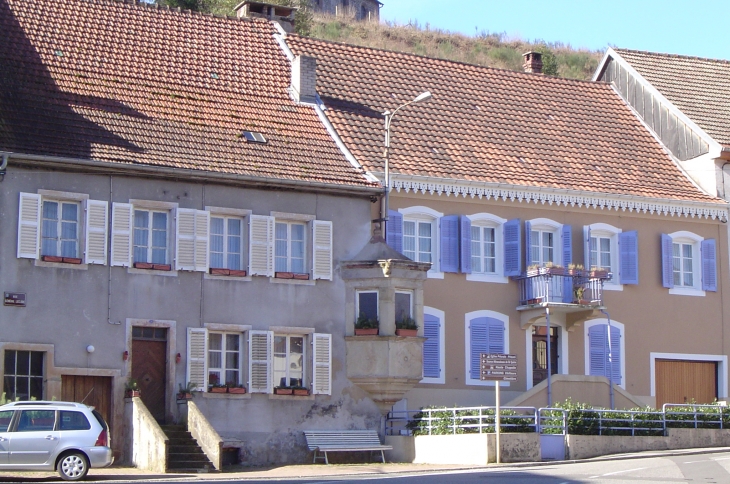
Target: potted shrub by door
[[406, 326], [366, 326], [186, 393], [131, 389]]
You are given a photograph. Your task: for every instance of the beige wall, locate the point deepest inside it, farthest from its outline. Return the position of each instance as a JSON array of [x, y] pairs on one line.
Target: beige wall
[[654, 320]]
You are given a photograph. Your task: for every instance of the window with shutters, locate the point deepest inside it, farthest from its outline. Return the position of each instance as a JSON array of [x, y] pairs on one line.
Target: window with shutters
[[485, 332], [421, 238], [226, 243], [62, 227], [225, 359], [289, 361], [434, 357], [482, 236], [290, 248], [604, 355], [150, 240], [688, 264], [602, 251]]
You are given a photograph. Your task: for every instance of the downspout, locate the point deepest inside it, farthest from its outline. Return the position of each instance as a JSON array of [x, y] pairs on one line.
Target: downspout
[[548, 281], [610, 359]]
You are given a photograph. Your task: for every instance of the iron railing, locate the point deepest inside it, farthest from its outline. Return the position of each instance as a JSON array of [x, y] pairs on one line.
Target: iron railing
[[557, 285]]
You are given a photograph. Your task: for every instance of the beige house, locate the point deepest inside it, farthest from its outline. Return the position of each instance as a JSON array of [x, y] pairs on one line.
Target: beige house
[[502, 175]]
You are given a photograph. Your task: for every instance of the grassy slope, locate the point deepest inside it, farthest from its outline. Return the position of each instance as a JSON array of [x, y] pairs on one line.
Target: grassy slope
[[493, 50]]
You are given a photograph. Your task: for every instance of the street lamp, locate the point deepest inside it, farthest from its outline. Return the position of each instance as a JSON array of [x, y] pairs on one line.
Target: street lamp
[[424, 96]]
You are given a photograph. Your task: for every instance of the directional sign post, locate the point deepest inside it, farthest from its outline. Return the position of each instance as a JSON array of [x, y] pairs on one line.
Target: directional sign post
[[497, 367]]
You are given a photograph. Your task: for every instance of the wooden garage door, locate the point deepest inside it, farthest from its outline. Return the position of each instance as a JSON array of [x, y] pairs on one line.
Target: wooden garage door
[[95, 391], [685, 381]]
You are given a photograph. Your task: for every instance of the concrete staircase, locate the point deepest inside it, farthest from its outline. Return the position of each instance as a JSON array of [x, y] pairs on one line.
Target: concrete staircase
[[184, 453]]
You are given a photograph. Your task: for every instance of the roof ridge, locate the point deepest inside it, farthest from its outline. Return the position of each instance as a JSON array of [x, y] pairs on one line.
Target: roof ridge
[[447, 61], [167, 8], [679, 56]]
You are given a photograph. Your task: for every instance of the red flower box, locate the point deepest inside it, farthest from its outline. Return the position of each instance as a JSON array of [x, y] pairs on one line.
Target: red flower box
[[161, 267], [218, 390], [235, 273], [142, 265], [284, 275], [220, 272], [283, 391], [237, 390], [301, 277], [72, 260], [366, 331], [51, 258], [301, 391], [406, 332]]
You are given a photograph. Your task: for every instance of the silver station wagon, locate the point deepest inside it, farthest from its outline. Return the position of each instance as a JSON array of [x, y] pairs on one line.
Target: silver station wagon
[[64, 436]]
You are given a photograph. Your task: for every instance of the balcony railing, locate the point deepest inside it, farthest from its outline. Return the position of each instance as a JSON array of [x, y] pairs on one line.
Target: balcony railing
[[556, 285]]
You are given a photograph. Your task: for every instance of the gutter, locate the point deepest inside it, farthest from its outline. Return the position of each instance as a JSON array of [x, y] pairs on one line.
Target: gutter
[[104, 167]]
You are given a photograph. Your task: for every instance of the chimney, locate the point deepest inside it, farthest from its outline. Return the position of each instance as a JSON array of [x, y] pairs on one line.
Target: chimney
[[304, 79], [533, 62], [282, 15]]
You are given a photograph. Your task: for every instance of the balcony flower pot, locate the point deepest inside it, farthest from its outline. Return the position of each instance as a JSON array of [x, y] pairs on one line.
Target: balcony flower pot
[[599, 274], [366, 331], [406, 332], [237, 390], [283, 391]]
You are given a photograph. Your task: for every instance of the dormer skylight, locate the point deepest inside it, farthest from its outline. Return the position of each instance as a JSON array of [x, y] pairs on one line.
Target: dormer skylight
[[254, 137]]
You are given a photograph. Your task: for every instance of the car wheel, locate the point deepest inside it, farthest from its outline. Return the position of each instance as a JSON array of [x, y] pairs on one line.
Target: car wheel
[[73, 466]]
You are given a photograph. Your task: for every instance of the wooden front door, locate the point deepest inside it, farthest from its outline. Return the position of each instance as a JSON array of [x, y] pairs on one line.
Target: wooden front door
[[149, 368], [679, 381], [95, 391], [539, 353]]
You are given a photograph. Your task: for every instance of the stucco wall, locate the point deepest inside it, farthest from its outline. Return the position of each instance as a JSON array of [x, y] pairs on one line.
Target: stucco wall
[[149, 448], [467, 449]]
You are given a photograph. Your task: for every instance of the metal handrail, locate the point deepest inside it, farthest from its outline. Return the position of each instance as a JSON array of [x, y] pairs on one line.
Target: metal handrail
[[461, 420]]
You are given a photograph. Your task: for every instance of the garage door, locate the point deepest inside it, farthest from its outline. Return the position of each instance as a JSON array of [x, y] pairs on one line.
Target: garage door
[[95, 391], [679, 381]]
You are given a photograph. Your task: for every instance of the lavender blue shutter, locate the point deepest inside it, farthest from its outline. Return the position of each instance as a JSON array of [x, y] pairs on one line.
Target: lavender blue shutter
[[587, 246], [628, 248], [394, 231], [495, 333], [449, 243], [528, 244], [465, 234], [431, 347], [512, 252], [567, 245], [667, 262], [709, 265], [615, 355], [478, 342], [597, 350]]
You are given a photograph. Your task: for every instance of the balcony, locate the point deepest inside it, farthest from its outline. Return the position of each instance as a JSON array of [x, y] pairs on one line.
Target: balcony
[[576, 293]]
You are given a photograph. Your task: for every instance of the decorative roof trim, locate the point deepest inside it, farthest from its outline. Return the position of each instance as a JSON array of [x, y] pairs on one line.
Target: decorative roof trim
[[715, 147], [515, 193]]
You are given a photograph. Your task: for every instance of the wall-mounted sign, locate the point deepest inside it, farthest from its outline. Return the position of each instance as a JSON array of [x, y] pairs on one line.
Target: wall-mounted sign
[[14, 299]]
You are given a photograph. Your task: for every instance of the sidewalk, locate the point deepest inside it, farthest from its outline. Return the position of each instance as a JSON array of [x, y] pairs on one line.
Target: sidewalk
[[126, 474]]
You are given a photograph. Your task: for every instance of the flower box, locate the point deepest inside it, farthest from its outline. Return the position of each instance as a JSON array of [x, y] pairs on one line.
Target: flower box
[[184, 396], [218, 390], [72, 260], [301, 391], [236, 273], [142, 265], [599, 274], [161, 267], [51, 258], [131, 393], [284, 275], [220, 272], [366, 331], [406, 332], [301, 277], [237, 390], [283, 391]]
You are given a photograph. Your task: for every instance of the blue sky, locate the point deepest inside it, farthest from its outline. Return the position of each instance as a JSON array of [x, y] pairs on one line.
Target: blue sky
[[696, 28]]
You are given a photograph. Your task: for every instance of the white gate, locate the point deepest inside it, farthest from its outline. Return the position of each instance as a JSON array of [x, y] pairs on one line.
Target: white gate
[[552, 423]]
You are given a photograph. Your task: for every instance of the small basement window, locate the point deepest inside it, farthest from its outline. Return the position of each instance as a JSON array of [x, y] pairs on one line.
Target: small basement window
[[253, 137]]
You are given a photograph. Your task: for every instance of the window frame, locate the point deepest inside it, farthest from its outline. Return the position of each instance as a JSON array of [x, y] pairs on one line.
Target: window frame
[[543, 226], [685, 237], [150, 228], [410, 295], [226, 236], [289, 240], [468, 317], [244, 215], [421, 214], [223, 351], [605, 231], [15, 376], [306, 341], [59, 226], [357, 301], [488, 220]]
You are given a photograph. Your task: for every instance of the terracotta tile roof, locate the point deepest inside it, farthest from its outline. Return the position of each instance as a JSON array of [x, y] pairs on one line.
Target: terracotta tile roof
[[129, 83], [698, 87], [491, 125]]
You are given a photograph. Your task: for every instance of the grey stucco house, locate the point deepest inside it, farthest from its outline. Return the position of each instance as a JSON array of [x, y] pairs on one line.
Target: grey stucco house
[[174, 210]]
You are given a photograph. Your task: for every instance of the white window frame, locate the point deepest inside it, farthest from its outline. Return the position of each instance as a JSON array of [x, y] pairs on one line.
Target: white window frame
[[490, 221], [442, 353], [168, 246], [223, 350], [542, 225], [410, 301], [242, 254], [586, 346], [59, 225], [242, 214], [610, 232], [482, 313], [722, 370], [685, 237], [425, 214], [307, 220], [357, 301], [306, 354]]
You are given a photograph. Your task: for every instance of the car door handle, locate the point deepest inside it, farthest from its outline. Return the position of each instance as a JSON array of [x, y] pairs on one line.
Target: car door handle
[[50, 437], [3, 439]]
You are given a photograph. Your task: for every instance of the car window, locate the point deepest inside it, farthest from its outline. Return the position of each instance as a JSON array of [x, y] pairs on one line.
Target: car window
[[73, 421], [100, 419], [34, 420], [5, 417]]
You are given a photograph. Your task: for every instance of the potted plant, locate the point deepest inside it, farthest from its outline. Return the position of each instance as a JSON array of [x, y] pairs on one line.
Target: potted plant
[[366, 326], [214, 384], [186, 392], [131, 389], [303, 391], [533, 270], [236, 388], [598, 273], [578, 292], [406, 326], [575, 269], [554, 269], [283, 390]]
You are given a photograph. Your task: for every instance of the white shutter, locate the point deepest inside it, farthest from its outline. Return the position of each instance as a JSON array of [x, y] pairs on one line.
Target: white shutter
[[29, 216], [202, 222], [261, 245], [322, 371], [185, 239], [260, 364], [197, 371], [322, 250], [97, 216], [121, 234]]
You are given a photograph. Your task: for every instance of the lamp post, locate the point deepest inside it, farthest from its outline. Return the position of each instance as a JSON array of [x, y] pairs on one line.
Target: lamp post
[[424, 96]]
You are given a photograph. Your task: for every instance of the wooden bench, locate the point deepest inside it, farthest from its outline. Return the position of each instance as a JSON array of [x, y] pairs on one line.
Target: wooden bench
[[344, 441]]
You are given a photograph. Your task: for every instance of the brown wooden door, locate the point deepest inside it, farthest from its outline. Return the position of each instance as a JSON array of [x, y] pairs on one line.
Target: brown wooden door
[[685, 381], [95, 391], [149, 368]]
